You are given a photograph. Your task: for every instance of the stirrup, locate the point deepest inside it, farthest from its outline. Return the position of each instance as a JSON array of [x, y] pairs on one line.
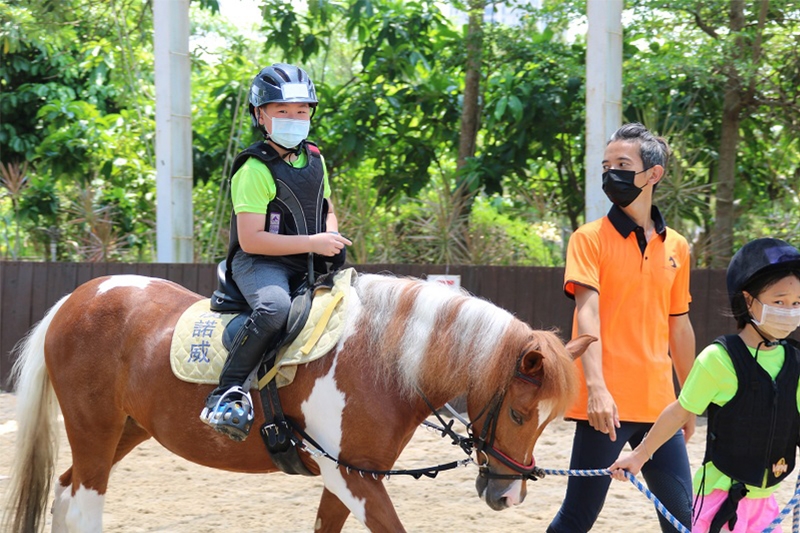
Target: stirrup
[[230, 413]]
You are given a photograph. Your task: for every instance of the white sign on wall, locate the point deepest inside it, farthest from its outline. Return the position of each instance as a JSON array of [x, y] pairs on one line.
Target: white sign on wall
[[452, 281]]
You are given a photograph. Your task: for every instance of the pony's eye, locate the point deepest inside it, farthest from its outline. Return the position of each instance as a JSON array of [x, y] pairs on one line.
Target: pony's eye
[[516, 417]]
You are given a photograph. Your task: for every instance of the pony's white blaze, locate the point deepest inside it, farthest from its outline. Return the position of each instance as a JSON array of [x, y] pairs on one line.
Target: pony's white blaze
[[513, 495], [123, 280], [85, 512], [546, 409], [323, 413]]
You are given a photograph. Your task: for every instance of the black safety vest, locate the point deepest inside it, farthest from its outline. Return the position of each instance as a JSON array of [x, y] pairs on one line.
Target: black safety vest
[[757, 430], [299, 207]]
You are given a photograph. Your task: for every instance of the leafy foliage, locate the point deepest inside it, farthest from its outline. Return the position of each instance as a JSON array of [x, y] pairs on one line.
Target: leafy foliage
[[77, 101]]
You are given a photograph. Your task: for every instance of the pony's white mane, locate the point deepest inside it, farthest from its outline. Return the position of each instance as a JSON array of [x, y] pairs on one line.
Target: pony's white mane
[[414, 326]]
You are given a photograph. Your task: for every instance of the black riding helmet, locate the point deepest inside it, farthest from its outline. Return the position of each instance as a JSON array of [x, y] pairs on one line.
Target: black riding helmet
[[759, 257], [281, 82]]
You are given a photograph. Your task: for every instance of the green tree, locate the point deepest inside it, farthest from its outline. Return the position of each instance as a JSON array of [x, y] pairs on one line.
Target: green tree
[[442, 142], [750, 57], [65, 105], [76, 101], [415, 89]]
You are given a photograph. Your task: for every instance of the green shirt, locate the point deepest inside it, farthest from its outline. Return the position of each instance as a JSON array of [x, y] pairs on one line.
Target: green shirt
[[713, 380], [252, 187]]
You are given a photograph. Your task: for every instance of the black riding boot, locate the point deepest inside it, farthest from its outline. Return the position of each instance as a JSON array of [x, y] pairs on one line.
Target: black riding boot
[[252, 340], [229, 408]]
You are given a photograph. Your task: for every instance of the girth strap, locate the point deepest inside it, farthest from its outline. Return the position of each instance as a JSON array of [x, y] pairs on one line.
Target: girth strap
[[277, 434]]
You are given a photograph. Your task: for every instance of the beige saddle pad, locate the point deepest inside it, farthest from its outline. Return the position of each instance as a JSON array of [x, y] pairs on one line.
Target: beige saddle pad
[[197, 354]]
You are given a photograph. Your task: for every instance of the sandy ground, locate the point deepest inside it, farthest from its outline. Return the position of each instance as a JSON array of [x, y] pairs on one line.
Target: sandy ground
[[152, 490]]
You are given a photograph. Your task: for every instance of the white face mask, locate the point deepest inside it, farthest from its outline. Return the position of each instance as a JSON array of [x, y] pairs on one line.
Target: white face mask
[[778, 322], [289, 132]]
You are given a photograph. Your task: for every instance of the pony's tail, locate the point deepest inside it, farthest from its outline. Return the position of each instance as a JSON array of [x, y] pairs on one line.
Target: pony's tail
[[37, 434]]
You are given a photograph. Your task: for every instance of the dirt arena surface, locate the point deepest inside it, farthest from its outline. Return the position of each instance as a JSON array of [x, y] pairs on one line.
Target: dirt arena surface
[[153, 490]]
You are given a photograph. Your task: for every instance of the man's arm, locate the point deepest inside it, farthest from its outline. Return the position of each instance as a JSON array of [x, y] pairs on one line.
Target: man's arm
[[601, 408], [682, 349], [681, 345]]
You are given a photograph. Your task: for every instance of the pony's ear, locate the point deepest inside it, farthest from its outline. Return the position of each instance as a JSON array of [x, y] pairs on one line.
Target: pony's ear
[[532, 364], [578, 345]]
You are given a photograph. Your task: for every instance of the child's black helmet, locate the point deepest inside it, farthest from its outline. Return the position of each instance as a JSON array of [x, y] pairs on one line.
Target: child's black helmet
[[281, 82], [759, 257]]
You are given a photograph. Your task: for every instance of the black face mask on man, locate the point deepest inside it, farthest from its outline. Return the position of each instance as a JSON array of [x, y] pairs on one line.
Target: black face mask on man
[[619, 187]]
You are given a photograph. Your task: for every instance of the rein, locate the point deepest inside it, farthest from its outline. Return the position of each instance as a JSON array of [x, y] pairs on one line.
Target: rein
[[416, 473], [467, 443]]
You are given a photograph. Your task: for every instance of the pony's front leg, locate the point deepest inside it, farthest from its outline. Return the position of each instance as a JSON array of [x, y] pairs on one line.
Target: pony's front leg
[[365, 497], [331, 513]]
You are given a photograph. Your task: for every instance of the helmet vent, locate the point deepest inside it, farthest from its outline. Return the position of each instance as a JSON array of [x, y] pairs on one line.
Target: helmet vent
[[268, 79], [283, 74]]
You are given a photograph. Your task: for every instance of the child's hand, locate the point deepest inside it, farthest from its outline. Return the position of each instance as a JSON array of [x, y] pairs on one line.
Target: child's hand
[[631, 462], [328, 244]]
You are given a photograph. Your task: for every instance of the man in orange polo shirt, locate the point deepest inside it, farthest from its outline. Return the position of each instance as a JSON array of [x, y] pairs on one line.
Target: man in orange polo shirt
[[629, 276]]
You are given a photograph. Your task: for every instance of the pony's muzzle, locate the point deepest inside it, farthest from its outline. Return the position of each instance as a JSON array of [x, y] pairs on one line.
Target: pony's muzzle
[[500, 493]]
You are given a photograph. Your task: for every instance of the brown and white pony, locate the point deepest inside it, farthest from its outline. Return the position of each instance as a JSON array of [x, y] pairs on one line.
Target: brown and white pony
[[101, 355]]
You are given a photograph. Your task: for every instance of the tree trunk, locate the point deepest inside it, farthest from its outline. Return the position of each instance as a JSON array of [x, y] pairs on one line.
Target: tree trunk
[[722, 233], [721, 245], [470, 112], [470, 118]]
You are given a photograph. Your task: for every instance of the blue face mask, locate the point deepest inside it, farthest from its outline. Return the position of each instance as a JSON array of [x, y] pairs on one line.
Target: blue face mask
[[289, 132], [619, 187]]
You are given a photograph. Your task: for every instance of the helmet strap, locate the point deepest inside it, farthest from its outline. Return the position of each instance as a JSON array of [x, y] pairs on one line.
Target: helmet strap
[[295, 151], [256, 124], [289, 151], [766, 342]]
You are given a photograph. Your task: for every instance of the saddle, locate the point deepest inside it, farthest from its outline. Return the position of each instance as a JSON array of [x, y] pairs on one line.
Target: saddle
[[227, 298], [277, 432]]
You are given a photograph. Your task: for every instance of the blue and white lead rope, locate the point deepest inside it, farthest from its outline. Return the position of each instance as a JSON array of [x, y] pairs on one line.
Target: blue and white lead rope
[[791, 506], [650, 496]]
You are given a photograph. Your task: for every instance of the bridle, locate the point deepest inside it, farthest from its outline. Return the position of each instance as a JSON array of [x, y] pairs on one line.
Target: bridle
[[484, 445]]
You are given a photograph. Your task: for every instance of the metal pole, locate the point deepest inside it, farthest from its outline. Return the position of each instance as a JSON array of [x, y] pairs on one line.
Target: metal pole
[[603, 94], [174, 219]]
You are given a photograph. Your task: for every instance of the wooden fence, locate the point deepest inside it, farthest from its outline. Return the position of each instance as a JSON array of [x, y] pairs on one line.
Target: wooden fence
[[533, 294]]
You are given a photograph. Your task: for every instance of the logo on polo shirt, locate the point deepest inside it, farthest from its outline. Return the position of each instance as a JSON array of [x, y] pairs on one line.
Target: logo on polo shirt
[[672, 262], [780, 467]]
